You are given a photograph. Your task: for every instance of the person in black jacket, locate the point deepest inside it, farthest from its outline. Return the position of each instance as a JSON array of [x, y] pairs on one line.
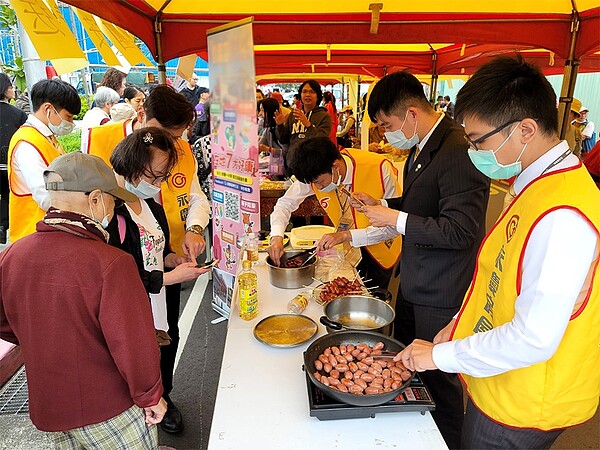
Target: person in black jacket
[[11, 118], [441, 216], [311, 120]]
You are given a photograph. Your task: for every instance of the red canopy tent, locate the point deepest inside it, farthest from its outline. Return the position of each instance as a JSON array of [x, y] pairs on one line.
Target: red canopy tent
[[173, 28]]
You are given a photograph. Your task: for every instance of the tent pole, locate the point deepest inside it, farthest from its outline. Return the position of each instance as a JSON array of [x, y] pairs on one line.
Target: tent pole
[[162, 69], [569, 77], [434, 77], [358, 103]]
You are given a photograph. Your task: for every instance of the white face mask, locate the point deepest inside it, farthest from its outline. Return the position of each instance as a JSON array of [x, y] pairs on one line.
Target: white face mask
[[104, 222], [63, 129], [398, 140], [143, 190]]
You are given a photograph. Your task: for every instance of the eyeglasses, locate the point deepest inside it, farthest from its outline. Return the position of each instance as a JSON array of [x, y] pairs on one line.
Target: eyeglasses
[[308, 92], [156, 178], [473, 144]]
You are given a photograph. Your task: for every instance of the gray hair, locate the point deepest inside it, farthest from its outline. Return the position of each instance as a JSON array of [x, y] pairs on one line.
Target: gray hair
[[105, 95]]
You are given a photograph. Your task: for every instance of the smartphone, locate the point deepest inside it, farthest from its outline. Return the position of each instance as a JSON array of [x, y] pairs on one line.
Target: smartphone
[[351, 195], [211, 263]]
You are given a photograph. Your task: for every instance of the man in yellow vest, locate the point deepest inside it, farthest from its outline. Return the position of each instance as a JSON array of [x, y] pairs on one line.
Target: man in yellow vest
[[441, 216], [33, 147], [526, 337], [321, 169], [186, 206]]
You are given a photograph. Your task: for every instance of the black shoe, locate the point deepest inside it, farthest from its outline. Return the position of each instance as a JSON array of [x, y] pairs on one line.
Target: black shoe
[[2, 235], [172, 421]]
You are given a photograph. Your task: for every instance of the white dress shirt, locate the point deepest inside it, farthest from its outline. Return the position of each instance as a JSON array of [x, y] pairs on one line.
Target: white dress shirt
[[298, 191], [558, 261], [28, 167]]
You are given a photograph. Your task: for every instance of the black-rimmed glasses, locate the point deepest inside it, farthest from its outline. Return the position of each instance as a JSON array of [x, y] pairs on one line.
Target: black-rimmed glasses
[[473, 144]]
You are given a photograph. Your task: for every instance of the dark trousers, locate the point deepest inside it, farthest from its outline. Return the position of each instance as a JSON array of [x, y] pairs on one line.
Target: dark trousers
[[371, 270], [424, 322], [169, 352], [481, 432], [4, 193]]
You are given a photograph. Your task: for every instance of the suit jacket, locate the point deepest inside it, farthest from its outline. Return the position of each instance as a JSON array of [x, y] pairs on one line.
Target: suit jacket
[[446, 199]]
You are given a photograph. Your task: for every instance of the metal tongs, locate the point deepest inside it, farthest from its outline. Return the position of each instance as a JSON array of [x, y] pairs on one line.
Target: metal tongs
[[385, 355], [311, 252], [310, 256]]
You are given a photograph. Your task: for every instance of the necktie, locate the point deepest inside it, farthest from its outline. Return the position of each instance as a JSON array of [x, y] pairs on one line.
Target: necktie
[[56, 144], [509, 197], [412, 160]]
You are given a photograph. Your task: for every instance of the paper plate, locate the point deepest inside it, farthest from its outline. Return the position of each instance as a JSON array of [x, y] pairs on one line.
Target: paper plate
[[285, 330], [307, 236]]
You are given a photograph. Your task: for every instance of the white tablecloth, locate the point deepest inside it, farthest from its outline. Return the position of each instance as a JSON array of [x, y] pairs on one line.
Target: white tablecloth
[[262, 400]]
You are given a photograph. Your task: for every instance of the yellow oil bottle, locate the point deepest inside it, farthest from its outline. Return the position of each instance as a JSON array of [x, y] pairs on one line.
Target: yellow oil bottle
[[248, 290]]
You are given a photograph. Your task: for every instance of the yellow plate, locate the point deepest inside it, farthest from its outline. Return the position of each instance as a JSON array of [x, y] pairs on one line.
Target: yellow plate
[[264, 244], [285, 330]]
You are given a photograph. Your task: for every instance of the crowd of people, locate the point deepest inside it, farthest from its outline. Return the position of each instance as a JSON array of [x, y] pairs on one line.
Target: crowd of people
[[493, 314]]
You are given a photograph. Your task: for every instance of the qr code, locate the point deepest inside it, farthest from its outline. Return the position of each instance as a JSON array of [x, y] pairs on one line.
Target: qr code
[[232, 206]]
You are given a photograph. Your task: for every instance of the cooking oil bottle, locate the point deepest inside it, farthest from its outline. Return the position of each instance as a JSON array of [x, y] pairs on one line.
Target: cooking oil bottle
[[252, 247], [248, 290]]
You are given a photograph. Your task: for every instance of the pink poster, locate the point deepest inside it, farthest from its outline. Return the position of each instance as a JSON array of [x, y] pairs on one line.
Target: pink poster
[[234, 148]]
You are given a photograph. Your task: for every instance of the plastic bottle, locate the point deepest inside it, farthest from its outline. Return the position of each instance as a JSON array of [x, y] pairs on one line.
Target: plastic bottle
[[248, 290], [252, 247], [298, 303]]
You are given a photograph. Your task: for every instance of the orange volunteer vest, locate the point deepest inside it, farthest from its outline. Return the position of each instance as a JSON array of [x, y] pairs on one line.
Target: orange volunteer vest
[[23, 211], [366, 179], [103, 139], [564, 390], [175, 193]]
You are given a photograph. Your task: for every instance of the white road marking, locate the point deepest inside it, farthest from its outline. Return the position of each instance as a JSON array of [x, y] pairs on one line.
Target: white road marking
[[189, 314]]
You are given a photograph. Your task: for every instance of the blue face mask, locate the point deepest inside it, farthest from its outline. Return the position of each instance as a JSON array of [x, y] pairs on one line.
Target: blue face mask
[[485, 161], [332, 186], [143, 190], [398, 140], [104, 222]]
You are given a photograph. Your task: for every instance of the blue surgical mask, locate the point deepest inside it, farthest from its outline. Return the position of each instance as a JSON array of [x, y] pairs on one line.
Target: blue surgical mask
[[398, 140], [143, 190], [63, 129], [332, 186], [104, 222], [485, 161]]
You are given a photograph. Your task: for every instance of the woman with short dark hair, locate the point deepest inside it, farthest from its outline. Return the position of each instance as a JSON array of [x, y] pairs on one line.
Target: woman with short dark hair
[[142, 161]]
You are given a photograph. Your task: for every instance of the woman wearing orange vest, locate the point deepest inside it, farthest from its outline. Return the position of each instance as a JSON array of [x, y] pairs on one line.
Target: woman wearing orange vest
[[185, 205], [33, 147], [526, 337], [321, 169]]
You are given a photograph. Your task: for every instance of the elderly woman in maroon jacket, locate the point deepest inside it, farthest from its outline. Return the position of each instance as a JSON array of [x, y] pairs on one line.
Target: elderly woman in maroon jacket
[[91, 355]]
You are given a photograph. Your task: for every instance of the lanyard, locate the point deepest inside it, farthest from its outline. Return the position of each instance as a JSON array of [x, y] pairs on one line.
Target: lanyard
[[557, 161]]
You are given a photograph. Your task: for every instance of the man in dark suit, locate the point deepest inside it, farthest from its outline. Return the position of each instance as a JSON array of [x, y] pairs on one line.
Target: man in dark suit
[[442, 216]]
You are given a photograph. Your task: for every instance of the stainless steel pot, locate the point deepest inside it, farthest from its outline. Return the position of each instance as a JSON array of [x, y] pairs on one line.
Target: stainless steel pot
[[358, 313], [293, 277]]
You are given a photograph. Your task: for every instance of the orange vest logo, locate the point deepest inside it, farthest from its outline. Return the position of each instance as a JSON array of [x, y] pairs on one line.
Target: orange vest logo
[[324, 202], [178, 180], [511, 227]]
